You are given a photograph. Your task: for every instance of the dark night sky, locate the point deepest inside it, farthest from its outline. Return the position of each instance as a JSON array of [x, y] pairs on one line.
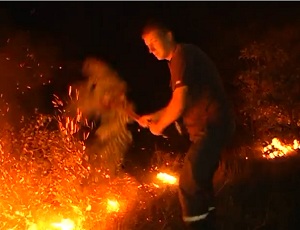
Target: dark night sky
[[111, 30]]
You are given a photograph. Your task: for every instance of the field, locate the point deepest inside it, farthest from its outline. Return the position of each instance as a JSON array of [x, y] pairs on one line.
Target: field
[[250, 194]]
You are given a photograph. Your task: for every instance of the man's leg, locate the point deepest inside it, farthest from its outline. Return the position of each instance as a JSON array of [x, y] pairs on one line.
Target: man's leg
[[195, 184]]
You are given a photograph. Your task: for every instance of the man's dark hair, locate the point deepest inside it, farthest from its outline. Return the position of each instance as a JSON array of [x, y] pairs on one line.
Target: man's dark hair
[[155, 24]]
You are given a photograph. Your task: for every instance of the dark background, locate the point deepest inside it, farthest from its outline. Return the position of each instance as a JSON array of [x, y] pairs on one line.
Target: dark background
[[65, 33], [111, 30]]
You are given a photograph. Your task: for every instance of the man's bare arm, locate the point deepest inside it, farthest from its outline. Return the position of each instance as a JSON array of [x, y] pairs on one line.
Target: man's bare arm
[[175, 107]]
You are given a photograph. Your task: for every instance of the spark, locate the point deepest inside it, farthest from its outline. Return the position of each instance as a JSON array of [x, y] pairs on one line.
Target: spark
[[70, 90]]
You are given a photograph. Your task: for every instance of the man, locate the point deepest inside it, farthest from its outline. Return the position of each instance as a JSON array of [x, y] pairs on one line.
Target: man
[[199, 99]]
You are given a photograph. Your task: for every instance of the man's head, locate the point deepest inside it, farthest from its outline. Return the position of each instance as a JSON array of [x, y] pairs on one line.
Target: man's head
[[159, 39]]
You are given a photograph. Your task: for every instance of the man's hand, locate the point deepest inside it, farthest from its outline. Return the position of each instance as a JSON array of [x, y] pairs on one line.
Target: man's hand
[[145, 120], [156, 129]]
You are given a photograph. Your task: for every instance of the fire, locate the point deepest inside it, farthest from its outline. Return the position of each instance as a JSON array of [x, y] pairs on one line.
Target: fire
[[112, 206], [296, 144], [65, 224], [167, 178], [279, 149], [44, 171], [38, 188]]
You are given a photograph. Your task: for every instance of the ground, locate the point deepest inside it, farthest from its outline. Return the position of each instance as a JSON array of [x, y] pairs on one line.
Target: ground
[[250, 194]]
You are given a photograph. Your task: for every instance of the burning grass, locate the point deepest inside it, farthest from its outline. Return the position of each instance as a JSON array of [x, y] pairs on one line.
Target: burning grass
[[50, 181], [279, 149], [44, 184]]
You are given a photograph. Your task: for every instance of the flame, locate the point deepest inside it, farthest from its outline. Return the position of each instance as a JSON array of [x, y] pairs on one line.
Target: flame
[[279, 149], [167, 178], [43, 171], [296, 144], [39, 198], [65, 224], [112, 206]]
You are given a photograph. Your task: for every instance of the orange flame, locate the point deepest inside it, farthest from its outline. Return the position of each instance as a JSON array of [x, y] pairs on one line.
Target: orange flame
[[65, 224], [112, 206], [279, 149], [166, 178]]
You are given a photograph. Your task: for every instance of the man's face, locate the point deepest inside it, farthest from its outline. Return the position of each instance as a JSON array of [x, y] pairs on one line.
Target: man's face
[[158, 43]]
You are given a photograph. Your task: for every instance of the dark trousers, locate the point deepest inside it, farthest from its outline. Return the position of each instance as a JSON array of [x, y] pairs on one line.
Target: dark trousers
[[196, 192]]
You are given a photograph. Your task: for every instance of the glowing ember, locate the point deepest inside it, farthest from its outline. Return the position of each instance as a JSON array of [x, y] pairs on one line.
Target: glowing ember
[[46, 171], [112, 206], [48, 178], [166, 178], [296, 144], [65, 224], [279, 149]]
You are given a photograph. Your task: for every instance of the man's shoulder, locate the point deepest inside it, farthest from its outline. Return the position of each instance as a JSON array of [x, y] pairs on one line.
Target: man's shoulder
[[192, 49], [189, 46]]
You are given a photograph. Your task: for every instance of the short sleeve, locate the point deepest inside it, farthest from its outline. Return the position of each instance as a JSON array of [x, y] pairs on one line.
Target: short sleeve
[[178, 66]]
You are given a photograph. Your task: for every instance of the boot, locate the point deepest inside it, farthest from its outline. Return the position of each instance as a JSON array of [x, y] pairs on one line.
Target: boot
[[211, 220]]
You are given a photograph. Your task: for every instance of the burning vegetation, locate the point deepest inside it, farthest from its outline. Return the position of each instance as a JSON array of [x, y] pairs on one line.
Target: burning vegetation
[[278, 149], [42, 183], [51, 179]]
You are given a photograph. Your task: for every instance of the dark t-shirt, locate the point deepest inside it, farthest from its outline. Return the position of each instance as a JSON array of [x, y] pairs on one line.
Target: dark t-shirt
[[207, 103]]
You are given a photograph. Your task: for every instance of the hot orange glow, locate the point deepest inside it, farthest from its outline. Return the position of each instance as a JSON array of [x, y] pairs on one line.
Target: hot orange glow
[[45, 175], [296, 144], [65, 224], [37, 187], [166, 178], [279, 149], [112, 206]]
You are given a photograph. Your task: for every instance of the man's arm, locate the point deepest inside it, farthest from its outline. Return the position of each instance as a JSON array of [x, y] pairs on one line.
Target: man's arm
[[174, 109], [145, 120], [157, 115]]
